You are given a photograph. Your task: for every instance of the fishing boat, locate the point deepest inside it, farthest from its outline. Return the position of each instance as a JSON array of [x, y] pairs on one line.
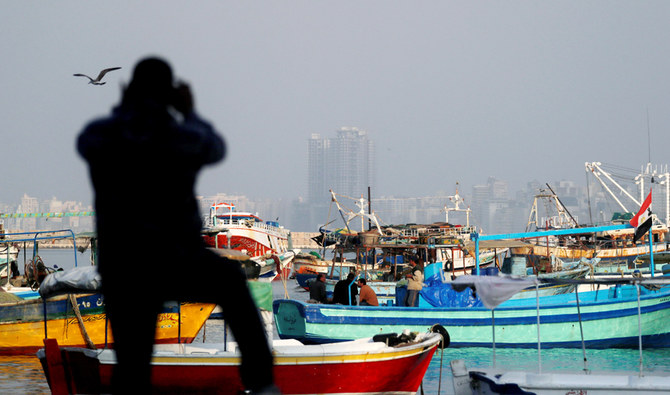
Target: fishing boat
[[615, 249], [275, 266], [498, 380], [372, 365], [609, 316], [244, 231], [390, 244], [311, 263], [267, 268], [78, 318], [266, 242]]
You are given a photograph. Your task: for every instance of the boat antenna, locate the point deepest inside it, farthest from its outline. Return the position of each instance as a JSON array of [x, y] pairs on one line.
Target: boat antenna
[[588, 195]]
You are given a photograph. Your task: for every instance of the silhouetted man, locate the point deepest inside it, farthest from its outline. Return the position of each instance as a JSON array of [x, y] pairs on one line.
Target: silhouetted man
[[344, 292], [143, 161]]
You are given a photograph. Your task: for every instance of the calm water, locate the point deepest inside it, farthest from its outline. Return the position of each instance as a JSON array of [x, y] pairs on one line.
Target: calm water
[[23, 374]]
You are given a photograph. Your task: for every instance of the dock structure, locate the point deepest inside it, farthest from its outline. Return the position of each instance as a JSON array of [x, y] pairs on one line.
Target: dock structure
[[303, 240], [48, 215]]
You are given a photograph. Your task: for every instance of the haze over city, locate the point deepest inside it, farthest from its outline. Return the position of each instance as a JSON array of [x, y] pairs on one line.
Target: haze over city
[[449, 91]]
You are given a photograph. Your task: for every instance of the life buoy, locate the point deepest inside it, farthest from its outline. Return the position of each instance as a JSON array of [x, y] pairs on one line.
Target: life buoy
[[437, 328]]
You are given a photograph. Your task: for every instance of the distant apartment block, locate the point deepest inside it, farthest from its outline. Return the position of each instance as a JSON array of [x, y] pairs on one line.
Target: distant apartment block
[[344, 163]]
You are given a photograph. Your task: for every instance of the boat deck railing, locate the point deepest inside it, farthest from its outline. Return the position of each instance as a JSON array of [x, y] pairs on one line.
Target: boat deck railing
[[223, 223], [455, 232]]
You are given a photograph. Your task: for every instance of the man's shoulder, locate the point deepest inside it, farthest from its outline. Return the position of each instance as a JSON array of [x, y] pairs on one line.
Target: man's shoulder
[[99, 125]]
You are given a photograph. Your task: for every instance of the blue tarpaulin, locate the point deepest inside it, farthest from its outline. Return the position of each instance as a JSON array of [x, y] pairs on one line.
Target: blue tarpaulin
[[439, 294]]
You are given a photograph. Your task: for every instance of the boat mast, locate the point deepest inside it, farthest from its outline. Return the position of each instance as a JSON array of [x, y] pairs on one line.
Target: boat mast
[[562, 218], [597, 171], [457, 200]]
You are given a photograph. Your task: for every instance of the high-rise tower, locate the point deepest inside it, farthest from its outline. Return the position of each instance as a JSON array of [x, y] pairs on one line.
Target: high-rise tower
[[345, 164]]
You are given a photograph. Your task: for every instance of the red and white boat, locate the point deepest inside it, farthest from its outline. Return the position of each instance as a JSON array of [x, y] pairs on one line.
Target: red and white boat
[[246, 232], [361, 366]]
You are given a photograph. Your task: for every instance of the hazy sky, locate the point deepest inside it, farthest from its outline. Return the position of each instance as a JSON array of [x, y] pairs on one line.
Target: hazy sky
[[449, 91]]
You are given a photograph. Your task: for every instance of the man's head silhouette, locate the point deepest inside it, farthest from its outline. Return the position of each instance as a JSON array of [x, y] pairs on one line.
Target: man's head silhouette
[[152, 80]]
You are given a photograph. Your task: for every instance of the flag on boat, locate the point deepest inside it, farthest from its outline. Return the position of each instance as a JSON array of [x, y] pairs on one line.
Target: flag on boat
[[642, 220]]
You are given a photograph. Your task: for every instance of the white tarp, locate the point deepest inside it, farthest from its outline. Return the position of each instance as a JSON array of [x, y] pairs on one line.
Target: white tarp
[[493, 290]]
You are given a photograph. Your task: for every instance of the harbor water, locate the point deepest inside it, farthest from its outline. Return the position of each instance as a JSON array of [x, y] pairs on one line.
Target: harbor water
[[23, 374]]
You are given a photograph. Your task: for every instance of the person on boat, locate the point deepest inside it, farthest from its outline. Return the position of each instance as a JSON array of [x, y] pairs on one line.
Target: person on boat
[[414, 282], [344, 293], [146, 155], [368, 296], [390, 276], [317, 289]]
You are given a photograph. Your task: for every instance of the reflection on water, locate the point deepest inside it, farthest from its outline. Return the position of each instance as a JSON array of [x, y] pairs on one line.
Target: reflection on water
[[22, 375]]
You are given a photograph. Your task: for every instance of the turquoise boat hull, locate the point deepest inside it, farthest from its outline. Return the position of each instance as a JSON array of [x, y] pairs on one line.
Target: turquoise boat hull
[[609, 319]]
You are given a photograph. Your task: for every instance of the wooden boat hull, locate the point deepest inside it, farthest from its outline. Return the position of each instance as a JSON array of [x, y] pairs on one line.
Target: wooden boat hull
[[624, 256], [297, 369], [22, 326], [609, 320]]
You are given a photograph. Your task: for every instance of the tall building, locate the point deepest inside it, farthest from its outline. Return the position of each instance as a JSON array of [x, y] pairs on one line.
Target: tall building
[[345, 164], [318, 150]]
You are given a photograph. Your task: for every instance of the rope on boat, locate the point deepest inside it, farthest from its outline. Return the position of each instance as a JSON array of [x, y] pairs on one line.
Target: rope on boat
[[80, 321]]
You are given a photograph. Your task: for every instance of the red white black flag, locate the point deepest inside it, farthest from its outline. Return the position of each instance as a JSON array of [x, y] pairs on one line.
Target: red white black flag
[[642, 220]]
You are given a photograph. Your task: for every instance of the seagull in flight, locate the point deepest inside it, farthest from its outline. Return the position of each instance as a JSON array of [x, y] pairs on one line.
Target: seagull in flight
[[97, 80]]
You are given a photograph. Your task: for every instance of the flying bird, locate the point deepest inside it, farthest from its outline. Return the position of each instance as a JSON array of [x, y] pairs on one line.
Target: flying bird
[[100, 76]]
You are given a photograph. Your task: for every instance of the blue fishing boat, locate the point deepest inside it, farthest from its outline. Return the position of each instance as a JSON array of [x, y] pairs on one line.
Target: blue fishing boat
[[607, 317]]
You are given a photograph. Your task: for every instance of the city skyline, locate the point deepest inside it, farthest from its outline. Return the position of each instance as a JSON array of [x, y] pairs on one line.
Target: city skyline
[[495, 207], [449, 91]]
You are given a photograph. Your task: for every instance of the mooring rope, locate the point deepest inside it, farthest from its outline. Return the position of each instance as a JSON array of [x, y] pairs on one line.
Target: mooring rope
[[80, 321]]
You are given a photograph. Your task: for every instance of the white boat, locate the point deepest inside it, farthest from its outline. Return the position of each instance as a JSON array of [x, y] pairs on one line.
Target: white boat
[[387, 365], [479, 382], [244, 231], [494, 380]]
